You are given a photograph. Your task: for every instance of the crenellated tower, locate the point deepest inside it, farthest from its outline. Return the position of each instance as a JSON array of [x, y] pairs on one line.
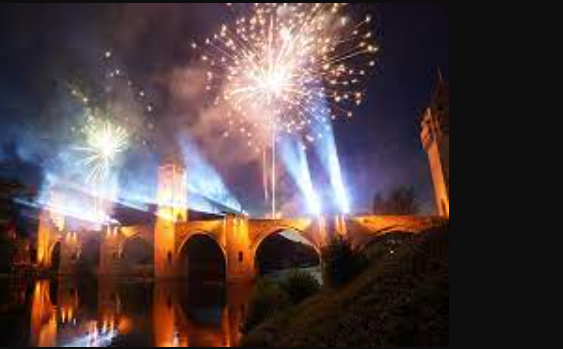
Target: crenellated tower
[[436, 141], [172, 209]]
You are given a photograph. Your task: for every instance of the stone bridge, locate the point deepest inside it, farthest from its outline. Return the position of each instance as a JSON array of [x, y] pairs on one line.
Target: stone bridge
[[238, 237]]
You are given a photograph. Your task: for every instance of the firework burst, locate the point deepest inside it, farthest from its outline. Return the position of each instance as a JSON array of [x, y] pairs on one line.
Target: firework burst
[[287, 66], [104, 143], [114, 119]]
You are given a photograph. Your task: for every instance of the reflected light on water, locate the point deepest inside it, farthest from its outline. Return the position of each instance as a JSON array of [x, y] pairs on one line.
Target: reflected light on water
[[95, 338], [43, 316], [66, 314]]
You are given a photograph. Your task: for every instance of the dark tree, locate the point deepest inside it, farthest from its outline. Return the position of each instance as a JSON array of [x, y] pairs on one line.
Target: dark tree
[[341, 263], [379, 205], [401, 201]]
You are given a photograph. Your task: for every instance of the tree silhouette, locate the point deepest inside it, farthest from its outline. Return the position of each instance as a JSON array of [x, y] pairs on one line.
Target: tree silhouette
[[401, 201]]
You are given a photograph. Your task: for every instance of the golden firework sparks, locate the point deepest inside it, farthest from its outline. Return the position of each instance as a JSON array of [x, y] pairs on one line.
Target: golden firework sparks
[[291, 64], [104, 143]]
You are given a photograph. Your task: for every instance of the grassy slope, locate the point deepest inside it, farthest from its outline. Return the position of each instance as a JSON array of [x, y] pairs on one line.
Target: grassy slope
[[402, 300]]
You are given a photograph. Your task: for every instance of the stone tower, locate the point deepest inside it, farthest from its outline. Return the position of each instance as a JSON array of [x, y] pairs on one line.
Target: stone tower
[[172, 209], [172, 193], [436, 142]]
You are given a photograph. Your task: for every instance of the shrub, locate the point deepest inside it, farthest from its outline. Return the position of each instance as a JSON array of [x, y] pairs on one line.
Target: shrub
[[267, 300], [341, 263], [300, 285]]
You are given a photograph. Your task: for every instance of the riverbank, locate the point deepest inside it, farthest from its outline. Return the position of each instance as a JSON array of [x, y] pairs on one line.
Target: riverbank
[[401, 300]]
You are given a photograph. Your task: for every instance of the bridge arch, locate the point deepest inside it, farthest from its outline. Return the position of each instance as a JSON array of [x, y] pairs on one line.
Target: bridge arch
[[54, 255], [264, 245], [89, 256], [205, 250], [135, 234], [300, 229], [137, 255]]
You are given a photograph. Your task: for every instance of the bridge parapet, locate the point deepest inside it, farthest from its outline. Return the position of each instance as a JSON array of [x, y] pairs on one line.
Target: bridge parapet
[[362, 229], [407, 224]]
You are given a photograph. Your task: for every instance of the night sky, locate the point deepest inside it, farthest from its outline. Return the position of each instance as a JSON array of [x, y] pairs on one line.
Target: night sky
[[44, 46]]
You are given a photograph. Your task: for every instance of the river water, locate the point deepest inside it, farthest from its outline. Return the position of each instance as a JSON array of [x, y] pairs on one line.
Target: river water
[[102, 313]]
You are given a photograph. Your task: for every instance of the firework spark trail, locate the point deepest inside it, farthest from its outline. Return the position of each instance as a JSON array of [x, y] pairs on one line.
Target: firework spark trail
[[285, 68]]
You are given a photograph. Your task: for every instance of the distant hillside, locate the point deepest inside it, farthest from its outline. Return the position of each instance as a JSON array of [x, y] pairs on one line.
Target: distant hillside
[[279, 252], [401, 300]]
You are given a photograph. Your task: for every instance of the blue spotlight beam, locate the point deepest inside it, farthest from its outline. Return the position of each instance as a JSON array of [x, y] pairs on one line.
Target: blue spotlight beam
[[204, 181], [328, 154], [294, 157]]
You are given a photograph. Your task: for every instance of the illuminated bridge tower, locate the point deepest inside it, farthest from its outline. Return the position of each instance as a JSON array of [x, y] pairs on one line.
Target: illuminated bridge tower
[[50, 231], [436, 142], [172, 208], [46, 236]]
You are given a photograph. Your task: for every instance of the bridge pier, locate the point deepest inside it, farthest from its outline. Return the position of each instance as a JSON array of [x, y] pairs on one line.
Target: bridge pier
[[238, 296], [165, 249], [48, 236], [239, 255], [44, 234], [70, 253], [109, 253], [164, 315]]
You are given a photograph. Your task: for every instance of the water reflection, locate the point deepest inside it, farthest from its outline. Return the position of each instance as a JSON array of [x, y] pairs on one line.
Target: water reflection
[[105, 312], [43, 316]]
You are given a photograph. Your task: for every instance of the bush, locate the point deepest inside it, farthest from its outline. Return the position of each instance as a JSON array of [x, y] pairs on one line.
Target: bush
[[267, 300], [341, 264], [300, 285]]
